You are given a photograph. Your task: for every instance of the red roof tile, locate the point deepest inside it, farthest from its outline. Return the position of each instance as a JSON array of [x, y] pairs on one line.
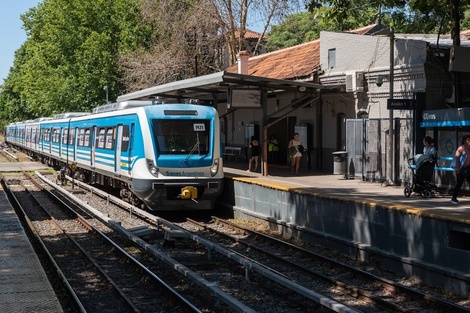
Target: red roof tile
[[289, 63], [249, 34], [465, 34], [297, 62]]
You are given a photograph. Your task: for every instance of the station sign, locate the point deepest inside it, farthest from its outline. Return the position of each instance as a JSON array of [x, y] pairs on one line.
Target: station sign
[[401, 104]]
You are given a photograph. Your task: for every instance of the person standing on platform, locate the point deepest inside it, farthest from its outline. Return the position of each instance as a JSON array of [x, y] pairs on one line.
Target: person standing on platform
[[254, 154], [462, 166], [295, 151], [273, 149]]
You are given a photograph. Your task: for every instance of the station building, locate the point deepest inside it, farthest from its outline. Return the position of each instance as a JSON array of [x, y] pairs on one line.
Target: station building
[[362, 93]]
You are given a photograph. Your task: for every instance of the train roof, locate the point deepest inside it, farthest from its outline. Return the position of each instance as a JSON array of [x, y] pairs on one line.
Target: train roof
[[42, 119], [69, 115], [122, 106]]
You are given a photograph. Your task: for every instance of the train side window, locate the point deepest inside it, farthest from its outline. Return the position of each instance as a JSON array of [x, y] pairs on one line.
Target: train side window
[[47, 135], [71, 136], [100, 140], [125, 138], [81, 137], [110, 138], [65, 134], [87, 138], [55, 135]]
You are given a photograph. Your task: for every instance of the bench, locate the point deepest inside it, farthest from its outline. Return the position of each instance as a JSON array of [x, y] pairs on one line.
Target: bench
[[445, 168], [440, 168], [232, 152]]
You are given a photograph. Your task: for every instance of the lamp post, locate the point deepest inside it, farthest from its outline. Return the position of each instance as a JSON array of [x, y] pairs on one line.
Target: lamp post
[[391, 154], [105, 88]]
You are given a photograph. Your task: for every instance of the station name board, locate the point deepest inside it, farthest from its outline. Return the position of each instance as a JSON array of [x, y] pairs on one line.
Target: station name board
[[401, 104]]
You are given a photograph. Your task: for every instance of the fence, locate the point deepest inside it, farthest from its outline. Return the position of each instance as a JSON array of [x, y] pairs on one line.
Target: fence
[[367, 144]]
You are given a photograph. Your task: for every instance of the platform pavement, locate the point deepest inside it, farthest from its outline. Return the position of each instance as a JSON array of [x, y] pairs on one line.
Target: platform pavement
[[24, 285], [359, 190]]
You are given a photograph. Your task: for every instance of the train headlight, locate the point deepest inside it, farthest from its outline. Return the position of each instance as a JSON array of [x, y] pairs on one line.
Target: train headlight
[[215, 167], [152, 168]]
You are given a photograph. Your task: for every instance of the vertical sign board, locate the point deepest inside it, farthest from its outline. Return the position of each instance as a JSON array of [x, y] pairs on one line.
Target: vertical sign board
[[401, 104]]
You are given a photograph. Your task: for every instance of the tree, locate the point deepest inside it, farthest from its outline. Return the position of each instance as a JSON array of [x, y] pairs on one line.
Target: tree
[[185, 42], [233, 18], [195, 37], [306, 26], [70, 54], [446, 12]]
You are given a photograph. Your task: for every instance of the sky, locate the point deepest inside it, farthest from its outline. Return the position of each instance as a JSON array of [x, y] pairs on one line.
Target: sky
[[11, 31]]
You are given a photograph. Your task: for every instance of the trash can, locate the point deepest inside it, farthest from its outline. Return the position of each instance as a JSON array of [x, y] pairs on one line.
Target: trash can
[[340, 159]]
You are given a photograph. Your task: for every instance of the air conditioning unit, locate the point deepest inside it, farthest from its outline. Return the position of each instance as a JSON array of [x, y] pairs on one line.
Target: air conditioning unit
[[355, 81]]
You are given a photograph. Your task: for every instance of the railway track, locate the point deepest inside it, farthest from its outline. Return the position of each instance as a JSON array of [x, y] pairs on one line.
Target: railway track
[[100, 275], [202, 259], [249, 272], [308, 266], [380, 294]]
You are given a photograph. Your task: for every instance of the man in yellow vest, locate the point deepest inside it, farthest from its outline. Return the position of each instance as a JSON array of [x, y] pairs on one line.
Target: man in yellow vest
[[273, 149]]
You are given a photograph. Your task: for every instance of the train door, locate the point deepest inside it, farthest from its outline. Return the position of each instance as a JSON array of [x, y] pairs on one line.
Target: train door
[[49, 139], [75, 143], [64, 132], [93, 146], [71, 144], [117, 151], [35, 138], [127, 144]]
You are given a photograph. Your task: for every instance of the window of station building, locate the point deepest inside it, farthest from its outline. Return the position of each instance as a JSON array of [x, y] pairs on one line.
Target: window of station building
[[341, 131], [363, 115], [331, 58]]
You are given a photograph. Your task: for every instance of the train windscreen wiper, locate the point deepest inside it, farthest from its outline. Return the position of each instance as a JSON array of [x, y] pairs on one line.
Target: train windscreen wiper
[[196, 146]]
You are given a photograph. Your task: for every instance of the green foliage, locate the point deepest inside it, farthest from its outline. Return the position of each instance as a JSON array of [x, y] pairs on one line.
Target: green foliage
[[296, 29], [306, 26], [406, 16], [70, 54]]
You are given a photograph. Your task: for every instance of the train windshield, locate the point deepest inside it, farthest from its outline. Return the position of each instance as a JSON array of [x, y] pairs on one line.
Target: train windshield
[[182, 136]]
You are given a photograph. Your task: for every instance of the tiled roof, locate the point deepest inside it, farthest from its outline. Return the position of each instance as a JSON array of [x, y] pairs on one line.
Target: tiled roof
[[289, 63], [364, 30], [465, 34], [297, 62], [249, 34]]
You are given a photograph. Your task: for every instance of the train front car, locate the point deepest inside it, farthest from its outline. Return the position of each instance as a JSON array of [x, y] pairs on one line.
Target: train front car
[[183, 167]]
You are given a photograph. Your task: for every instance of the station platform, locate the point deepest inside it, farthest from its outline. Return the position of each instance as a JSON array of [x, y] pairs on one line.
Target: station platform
[[24, 285], [355, 189]]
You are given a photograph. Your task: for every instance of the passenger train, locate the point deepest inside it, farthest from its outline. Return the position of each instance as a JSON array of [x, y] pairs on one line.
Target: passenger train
[[159, 156]]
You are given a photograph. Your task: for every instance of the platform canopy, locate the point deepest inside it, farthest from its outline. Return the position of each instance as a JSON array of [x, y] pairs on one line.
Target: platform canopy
[[216, 87]]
